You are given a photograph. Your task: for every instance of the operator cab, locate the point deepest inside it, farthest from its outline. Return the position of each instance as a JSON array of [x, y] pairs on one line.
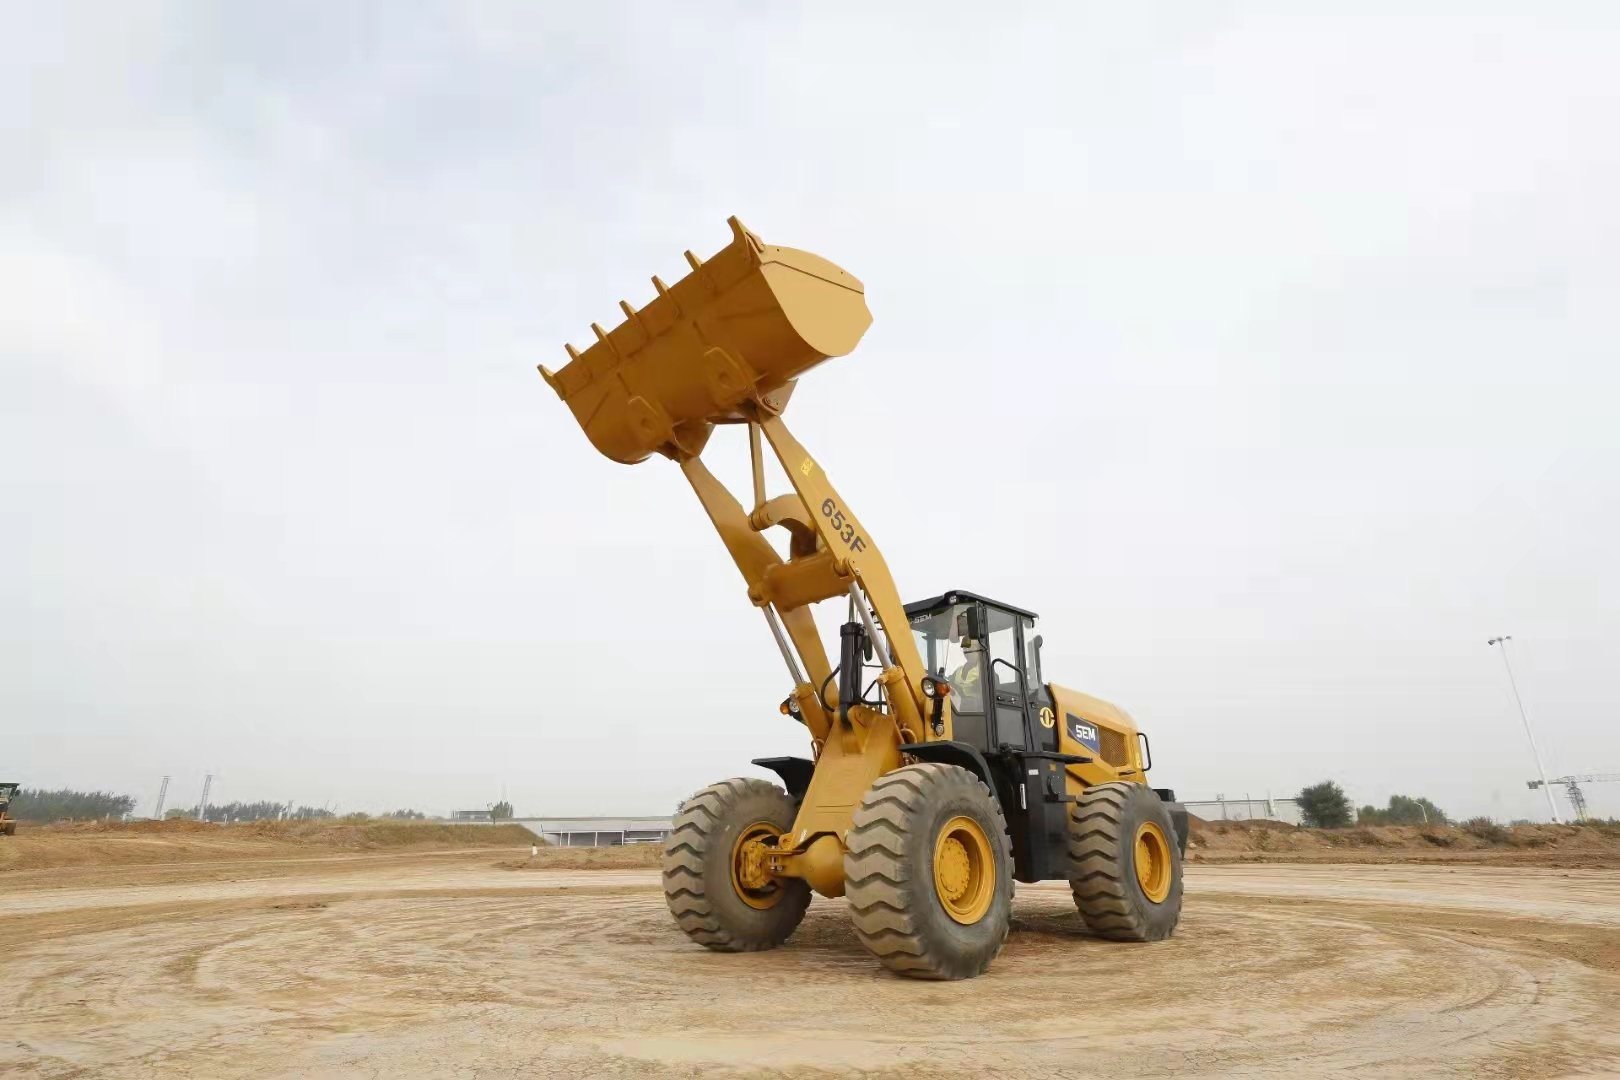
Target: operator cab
[[990, 654]]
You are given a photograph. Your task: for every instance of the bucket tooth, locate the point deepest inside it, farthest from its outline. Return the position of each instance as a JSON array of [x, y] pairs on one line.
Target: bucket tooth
[[699, 270], [631, 315], [739, 328], [664, 294], [604, 338], [741, 235]]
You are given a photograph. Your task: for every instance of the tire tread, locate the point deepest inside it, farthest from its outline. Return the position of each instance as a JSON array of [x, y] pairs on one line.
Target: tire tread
[[1097, 863], [682, 870], [876, 872]]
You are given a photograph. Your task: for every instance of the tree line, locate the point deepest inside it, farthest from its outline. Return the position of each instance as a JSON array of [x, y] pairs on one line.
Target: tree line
[[264, 810], [1326, 806], [260, 810], [64, 804]]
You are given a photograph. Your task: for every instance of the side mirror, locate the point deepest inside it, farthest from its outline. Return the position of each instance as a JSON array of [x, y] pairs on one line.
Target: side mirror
[[975, 629]]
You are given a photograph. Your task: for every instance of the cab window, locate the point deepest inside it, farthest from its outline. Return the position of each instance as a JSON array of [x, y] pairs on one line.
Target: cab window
[[1032, 660]]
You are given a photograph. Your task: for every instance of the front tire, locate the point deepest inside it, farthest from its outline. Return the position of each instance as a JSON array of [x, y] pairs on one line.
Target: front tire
[[928, 873], [1125, 863], [712, 870]]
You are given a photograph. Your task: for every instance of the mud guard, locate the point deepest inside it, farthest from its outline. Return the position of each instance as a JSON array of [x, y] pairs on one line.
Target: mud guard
[[1178, 815], [950, 752], [794, 771]]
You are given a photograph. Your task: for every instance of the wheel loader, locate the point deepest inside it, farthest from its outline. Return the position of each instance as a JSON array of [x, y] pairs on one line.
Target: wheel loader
[[943, 766], [8, 824]]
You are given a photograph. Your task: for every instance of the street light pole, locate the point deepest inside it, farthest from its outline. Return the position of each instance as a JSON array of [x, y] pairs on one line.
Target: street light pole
[[1536, 754]]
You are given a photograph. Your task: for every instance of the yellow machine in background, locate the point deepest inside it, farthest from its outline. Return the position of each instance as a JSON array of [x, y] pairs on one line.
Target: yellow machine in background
[[955, 767], [8, 824]]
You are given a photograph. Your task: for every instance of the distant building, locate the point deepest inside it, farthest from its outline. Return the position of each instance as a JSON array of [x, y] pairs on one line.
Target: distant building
[[599, 831], [472, 815]]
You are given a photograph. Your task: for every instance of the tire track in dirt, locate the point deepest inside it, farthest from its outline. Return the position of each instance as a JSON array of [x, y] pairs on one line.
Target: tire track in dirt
[[433, 968]]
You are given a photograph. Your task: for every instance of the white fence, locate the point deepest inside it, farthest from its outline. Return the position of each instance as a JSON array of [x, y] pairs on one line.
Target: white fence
[[1219, 809]]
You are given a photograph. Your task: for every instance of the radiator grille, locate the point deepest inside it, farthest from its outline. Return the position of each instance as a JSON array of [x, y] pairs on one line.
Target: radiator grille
[[1111, 744]]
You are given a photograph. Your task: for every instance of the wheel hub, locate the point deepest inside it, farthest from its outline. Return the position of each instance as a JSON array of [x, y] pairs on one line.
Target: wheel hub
[[749, 876], [1152, 859], [964, 870], [953, 868]]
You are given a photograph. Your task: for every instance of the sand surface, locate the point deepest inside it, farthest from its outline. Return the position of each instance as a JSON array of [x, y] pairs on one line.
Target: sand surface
[[480, 963]]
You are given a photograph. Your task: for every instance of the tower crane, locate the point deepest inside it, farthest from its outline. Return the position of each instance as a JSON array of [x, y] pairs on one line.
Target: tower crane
[[1572, 788]]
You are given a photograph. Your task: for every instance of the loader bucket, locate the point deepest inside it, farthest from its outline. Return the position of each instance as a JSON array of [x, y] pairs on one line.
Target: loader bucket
[[741, 326]]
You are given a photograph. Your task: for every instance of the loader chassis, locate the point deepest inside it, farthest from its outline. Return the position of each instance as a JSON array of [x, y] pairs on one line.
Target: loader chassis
[[942, 764]]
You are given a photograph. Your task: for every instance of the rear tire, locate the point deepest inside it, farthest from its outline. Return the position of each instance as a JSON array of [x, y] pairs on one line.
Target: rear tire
[[928, 873], [701, 880], [1125, 863]]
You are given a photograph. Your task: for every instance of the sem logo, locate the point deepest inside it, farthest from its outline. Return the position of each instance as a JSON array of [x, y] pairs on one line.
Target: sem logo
[[1083, 732], [1047, 717]]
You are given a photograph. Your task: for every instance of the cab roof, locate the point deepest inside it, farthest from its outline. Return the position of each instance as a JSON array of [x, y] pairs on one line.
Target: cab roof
[[956, 596]]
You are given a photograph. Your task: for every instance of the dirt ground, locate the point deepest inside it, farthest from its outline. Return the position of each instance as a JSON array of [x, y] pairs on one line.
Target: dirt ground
[[452, 962]]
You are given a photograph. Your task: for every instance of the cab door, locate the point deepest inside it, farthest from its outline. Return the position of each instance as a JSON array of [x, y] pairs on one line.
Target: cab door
[[1006, 686], [1037, 698]]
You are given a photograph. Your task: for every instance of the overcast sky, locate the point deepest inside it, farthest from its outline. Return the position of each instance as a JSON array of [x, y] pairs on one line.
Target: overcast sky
[[1272, 358]]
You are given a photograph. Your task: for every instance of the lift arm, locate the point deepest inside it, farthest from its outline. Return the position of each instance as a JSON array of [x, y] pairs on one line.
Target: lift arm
[[723, 345]]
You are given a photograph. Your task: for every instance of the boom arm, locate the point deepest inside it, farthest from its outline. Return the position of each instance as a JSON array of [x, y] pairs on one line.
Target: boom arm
[[723, 345]]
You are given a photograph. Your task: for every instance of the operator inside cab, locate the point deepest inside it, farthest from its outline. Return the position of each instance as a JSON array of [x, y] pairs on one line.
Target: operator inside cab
[[967, 693]]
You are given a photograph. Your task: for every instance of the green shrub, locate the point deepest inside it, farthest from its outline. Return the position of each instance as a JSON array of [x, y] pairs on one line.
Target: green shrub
[[1324, 805], [1485, 829]]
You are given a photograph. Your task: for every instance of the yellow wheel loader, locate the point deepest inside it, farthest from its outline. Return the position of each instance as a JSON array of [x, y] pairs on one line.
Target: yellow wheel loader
[[8, 824], [943, 766]]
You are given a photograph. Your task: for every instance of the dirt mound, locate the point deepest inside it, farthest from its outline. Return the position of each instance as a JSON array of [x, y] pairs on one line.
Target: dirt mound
[[384, 834], [101, 843], [339, 832], [1476, 841], [172, 827]]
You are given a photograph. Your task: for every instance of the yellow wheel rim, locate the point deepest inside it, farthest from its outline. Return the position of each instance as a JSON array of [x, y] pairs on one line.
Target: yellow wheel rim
[[749, 878], [964, 870], [1153, 862]]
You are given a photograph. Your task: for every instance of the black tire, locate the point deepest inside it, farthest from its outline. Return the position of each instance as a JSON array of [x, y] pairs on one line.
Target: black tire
[[698, 883], [1103, 828], [11, 828], [889, 873]]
